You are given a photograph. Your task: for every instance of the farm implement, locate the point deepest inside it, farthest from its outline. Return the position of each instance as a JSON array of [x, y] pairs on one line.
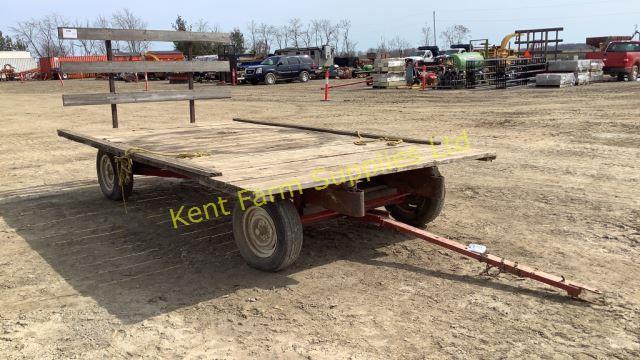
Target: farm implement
[[281, 176]]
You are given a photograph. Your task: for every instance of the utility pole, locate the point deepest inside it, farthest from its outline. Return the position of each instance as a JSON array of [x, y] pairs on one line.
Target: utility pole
[[435, 41]]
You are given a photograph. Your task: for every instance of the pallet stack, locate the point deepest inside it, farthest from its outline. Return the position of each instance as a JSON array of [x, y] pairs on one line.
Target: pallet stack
[[563, 73], [389, 73], [596, 72]]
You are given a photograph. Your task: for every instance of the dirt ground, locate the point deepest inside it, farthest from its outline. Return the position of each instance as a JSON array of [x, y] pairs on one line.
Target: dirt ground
[[80, 278]]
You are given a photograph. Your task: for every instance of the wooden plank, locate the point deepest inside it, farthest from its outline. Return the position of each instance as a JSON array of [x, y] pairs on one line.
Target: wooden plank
[[74, 33], [267, 156], [116, 67], [305, 180], [177, 165], [143, 96], [340, 132]]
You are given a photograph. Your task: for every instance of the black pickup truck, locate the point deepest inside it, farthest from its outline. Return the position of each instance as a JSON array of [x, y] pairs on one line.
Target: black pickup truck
[[275, 68]]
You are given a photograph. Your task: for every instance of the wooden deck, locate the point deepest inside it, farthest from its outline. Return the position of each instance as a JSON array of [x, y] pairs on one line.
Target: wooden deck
[[262, 158]]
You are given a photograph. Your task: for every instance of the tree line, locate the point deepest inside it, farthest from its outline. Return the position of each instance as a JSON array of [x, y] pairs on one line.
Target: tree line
[[40, 36], [7, 43]]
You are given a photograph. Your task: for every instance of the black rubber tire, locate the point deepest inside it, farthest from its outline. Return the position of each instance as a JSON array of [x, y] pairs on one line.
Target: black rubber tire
[[289, 236], [114, 192], [304, 76], [418, 211], [270, 79], [634, 73]]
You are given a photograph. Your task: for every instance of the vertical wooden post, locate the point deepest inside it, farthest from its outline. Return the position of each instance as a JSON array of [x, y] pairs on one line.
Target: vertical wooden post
[[192, 103], [112, 85], [555, 57]]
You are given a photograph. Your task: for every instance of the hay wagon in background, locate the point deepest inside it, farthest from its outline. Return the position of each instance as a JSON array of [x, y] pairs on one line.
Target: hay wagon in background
[[282, 176]]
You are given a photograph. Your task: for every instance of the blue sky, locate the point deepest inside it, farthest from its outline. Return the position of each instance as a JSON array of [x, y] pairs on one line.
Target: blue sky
[[370, 19]]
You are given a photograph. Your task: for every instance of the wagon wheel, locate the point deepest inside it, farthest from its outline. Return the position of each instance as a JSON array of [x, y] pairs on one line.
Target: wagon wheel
[[269, 237], [108, 178], [418, 210]]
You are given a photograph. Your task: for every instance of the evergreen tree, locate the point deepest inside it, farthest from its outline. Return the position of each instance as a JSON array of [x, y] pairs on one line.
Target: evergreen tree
[[237, 39]]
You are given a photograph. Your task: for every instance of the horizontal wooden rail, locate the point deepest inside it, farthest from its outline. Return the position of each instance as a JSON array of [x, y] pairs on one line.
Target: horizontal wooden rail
[[141, 97], [73, 33], [116, 67]]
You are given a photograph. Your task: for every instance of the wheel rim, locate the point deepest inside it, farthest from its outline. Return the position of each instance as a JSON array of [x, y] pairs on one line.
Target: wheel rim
[[260, 231], [106, 172], [305, 77], [270, 79], [635, 73]]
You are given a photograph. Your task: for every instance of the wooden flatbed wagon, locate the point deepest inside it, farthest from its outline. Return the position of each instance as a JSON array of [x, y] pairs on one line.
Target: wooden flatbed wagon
[[281, 176]]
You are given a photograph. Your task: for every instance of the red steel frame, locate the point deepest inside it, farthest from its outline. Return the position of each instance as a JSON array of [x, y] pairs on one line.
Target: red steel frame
[[382, 219]]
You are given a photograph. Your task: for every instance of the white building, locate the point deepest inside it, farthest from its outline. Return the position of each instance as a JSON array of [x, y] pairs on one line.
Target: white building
[[19, 60]]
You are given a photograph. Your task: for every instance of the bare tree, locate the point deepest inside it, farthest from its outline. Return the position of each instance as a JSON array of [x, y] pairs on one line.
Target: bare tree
[[295, 31], [86, 47], [455, 34], [103, 22], [281, 36], [307, 35], [315, 26], [265, 34], [382, 46], [427, 35], [348, 46], [203, 26], [41, 35], [326, 31], [125, 19], [253, 35], [26, 31], [398, 46]]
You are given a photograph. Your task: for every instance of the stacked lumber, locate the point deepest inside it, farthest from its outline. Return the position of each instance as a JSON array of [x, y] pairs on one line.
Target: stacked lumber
[[583, 72], [389, 73]]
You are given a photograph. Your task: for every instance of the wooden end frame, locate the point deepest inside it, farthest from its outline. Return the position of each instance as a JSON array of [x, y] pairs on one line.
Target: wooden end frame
[[384, 190], [109, 35]]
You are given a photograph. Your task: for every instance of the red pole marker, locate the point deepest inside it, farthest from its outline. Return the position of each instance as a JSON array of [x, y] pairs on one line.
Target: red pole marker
[[146, 82], [424, 77], [326, 85], [234, 78], [60, 78]]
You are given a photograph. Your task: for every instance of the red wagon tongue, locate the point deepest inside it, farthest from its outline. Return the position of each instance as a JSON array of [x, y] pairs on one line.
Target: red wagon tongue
[[574, 289]]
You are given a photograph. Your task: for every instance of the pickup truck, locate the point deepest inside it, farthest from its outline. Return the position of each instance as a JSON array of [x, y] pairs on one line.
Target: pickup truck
[[622, 59], [421, 56]]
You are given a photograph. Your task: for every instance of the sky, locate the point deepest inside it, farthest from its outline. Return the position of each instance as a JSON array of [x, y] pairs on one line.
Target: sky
[[370, 20]]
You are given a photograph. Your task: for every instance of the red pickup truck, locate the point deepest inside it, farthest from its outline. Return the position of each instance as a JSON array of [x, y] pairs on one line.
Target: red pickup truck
[[622, 58]]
